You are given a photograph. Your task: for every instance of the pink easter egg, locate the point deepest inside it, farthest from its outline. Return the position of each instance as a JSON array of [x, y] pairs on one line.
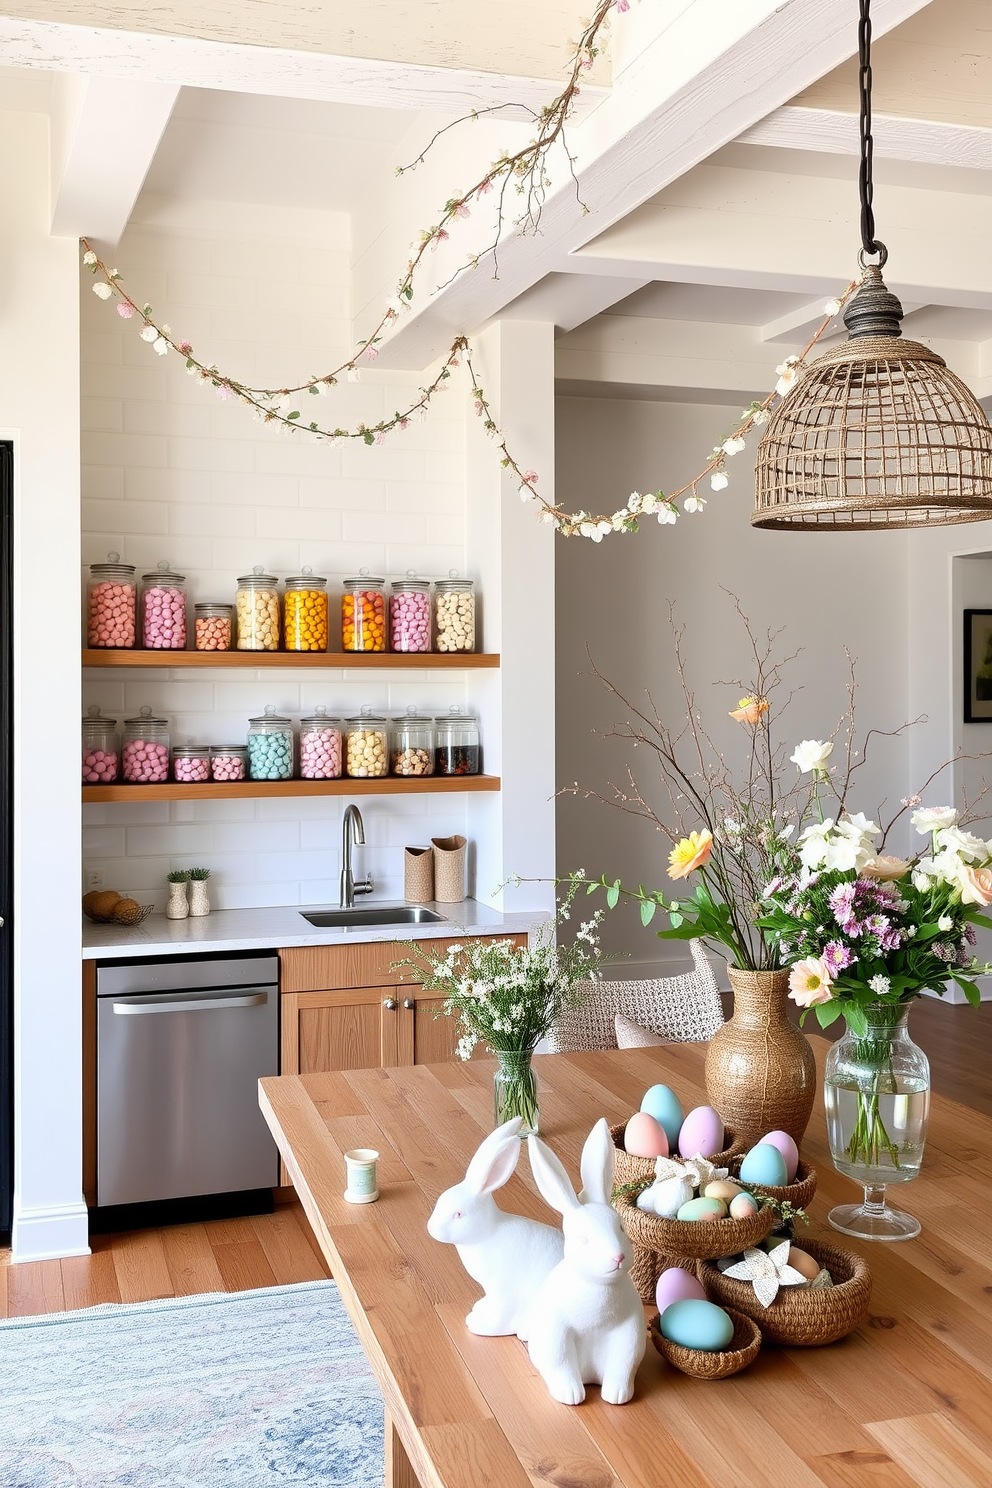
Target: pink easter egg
[[676, 1285], [788, 1149], [645, 1137], [701, 1133], [743, 1206]]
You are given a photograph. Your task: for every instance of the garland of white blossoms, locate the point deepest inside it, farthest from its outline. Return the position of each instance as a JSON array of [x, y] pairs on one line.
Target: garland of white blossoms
[[525, 171]]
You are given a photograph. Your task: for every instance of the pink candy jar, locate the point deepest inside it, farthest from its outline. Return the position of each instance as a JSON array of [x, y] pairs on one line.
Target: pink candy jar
[[212, 626], [191, 764], [111, 604], [146, 749], [163, 610], [410, 614], [320, 746], [229, 762], [101, 749]]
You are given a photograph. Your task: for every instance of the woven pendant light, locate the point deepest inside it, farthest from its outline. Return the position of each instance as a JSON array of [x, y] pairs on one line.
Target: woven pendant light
[[878, 432]]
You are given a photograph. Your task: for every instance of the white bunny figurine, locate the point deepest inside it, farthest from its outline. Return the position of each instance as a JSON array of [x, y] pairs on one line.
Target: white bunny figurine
[[508, 1256], [587, 1326]]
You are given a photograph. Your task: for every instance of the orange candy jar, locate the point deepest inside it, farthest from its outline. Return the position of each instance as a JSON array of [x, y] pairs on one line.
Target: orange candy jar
[[363, 614]]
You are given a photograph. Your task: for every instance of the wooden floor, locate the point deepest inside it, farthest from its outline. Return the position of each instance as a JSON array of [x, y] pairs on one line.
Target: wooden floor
[[272, 1249], [224, 1255]]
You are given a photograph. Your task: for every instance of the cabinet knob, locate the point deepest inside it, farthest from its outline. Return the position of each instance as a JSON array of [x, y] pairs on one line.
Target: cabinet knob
[[409, 1003], [390, 1004]]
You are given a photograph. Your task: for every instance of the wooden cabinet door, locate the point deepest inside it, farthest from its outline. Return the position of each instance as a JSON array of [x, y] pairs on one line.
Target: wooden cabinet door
[[336, 1031], [435, 1038]]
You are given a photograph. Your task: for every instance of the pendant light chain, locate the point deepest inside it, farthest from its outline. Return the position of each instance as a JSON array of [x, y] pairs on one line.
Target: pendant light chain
[[869, 244]]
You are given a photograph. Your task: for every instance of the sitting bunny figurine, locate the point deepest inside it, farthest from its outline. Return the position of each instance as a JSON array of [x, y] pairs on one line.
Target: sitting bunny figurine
[[508, 1256], [587, 1325]]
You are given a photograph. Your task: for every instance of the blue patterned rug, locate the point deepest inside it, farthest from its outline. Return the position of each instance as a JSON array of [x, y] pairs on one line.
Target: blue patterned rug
[[265, 1389]]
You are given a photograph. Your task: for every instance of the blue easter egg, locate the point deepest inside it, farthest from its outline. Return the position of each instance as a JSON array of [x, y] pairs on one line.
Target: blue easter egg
[[697, 1325], [666, 1108], [764, 1164]]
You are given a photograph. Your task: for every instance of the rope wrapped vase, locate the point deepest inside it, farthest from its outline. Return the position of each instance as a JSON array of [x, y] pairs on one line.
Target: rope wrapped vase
[[760, 1070]]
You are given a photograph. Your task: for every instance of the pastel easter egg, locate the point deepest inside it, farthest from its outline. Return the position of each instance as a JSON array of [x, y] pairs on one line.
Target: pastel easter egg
[[676, 1285], [666, 1198], [764, 1164], [744, 1206], [696, 1324], [702, 1133], [705, 1209], [788, 1149], [803, 1262], [645, 1137], [664, 1105], [722, 1188]]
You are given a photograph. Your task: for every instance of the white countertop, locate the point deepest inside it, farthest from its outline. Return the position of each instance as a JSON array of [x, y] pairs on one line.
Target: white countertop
[[270, 929]]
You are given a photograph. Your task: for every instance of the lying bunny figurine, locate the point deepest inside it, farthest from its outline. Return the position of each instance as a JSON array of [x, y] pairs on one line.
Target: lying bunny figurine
[[508, 1256], [587, 1325]]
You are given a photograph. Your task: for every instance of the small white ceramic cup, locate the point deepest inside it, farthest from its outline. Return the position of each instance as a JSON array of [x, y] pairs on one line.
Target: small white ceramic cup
[[363, 1186]]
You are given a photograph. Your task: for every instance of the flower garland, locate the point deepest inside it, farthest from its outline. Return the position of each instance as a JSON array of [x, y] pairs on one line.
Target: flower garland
[[525, 170]]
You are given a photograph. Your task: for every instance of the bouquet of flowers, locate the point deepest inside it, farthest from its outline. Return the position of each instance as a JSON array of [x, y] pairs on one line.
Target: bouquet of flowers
[[509, 996]]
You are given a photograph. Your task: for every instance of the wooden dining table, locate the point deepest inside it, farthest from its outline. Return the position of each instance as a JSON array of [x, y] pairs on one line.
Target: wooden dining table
[[905, 1401]]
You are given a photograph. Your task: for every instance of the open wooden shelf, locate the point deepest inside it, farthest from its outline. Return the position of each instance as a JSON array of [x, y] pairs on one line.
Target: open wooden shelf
[[391, 785], [253, 660]]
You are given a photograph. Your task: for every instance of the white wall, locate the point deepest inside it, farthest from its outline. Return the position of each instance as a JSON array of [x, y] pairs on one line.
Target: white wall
[[825, 591], [170, 471], [39, 408]]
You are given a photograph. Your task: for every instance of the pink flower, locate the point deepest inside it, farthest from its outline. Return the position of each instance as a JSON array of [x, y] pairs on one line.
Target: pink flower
[[623, 6], [462, 210], [810, 982], [371, 352], [124, 310], [485, 188], [530, 476], [185, 347], [886, 868], [976, 886]]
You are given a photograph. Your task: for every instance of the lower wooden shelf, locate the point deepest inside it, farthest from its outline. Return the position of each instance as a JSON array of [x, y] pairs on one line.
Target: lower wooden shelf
[[392, 785]]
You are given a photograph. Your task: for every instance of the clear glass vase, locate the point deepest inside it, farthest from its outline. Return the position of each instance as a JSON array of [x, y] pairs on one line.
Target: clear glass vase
[[515, 1089], [877, 1098]]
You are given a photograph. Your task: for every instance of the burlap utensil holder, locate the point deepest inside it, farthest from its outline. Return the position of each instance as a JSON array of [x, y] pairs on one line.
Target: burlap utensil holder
[[418, 875], [449, 869]]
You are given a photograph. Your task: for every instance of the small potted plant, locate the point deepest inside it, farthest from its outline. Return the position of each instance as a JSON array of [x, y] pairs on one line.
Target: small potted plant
[[178, 905], [199, 904]]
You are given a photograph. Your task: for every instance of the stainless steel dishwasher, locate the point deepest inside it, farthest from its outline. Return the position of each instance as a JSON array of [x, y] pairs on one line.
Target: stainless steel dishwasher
[[181, 1044]]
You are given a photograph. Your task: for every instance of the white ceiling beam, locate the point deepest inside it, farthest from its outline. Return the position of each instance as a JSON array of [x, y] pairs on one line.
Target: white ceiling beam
[[191, 61], [700, 78], [799, 324], [829, 132], [105, 133], [569, 300]]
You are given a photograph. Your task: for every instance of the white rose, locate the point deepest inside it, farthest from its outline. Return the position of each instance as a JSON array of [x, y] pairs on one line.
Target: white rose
[[842, 854], [811, 754], [102, 291], [933, 819], [945, 923], [965, 844], [856, 824]]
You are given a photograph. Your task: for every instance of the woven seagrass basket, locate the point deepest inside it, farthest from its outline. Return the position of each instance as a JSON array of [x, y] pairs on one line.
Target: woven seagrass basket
[[799, 1192], [702, 1364], [800, 1317], [660, 1243], [629, 1169]]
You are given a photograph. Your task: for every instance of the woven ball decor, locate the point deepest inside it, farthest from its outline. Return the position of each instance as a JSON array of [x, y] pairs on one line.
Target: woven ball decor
[[800, 1317]]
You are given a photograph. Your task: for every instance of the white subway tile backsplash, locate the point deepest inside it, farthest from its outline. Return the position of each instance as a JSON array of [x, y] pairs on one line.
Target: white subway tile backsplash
[[107, 516], [135, 450], [102, 483]]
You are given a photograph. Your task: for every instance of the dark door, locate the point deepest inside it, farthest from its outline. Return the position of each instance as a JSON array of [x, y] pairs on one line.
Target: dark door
[[6, 841]]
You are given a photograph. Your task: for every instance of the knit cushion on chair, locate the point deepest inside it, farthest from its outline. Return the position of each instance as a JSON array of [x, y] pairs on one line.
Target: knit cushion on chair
[[631, 1035], [679, 1009]]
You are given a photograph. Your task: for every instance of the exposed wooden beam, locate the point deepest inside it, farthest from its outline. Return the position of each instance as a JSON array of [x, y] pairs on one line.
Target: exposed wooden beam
[[830, 132], [234, 66], [105, 132], [697, 81]]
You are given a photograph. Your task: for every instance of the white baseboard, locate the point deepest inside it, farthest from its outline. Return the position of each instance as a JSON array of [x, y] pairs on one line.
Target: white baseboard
[[49, 1233]]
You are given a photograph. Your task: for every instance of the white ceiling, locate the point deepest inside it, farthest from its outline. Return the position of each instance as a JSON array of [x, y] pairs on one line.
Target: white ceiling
[[710, 304]]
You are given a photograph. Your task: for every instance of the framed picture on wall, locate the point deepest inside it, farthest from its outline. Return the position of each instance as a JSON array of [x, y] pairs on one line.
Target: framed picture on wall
[[978, 666]]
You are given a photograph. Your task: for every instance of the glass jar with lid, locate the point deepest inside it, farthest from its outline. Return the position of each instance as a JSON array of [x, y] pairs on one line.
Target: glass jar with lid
[[410, 614], [412, 746], [213, 626], [320, 746], [146, 749], [270, 746], [191, 764], [366, 746], [228, 762], [163, 609], [305, 612], [454, 613], [257, 606], [456, 746], [111, 604], [363, 613], [101, 748]]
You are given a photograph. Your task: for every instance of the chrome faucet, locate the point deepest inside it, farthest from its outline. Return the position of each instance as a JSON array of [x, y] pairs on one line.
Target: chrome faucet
[[352, 835]]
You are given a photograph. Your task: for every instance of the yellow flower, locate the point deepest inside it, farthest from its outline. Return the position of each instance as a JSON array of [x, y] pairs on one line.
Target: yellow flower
[[692, 852], [750, 709]]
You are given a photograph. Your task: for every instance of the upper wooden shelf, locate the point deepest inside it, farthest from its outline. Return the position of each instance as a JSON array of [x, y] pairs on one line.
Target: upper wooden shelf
[[352, 660], [388, 785]]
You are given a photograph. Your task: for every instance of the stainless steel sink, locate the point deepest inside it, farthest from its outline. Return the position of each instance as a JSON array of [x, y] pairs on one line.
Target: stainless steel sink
[[383, 914]]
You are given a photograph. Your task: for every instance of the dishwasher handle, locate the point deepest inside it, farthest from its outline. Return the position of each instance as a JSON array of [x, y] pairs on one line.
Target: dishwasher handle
[[140, 1005]]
